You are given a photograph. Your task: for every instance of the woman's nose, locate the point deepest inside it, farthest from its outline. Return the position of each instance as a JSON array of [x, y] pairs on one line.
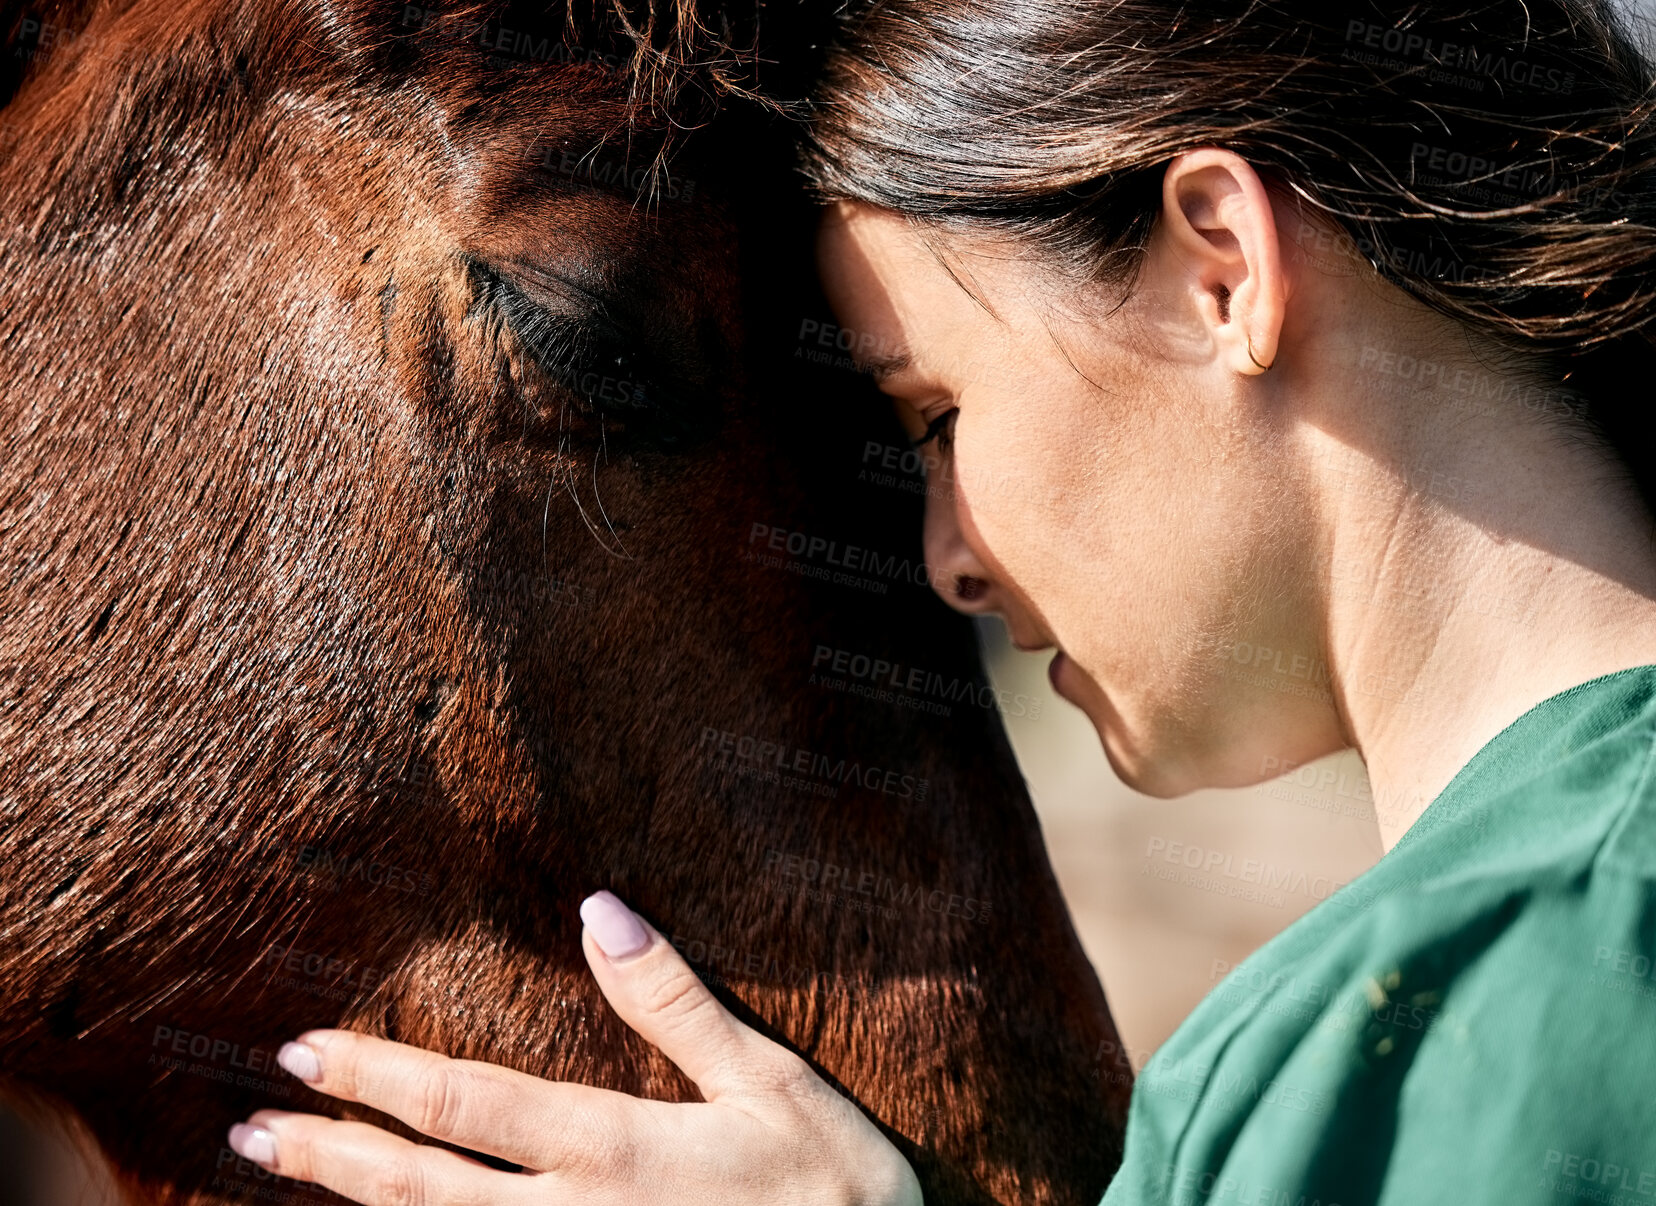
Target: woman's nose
[[956, 573]]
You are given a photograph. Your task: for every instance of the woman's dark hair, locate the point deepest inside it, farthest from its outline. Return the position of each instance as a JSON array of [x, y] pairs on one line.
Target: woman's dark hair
[[1495, 160]]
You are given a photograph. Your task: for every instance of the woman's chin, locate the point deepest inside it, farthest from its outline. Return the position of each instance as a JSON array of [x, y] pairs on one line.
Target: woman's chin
[[1135, 761], [1076, 687]]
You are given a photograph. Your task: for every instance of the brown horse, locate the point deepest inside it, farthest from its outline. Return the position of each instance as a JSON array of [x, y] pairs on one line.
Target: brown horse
[[413, 517]]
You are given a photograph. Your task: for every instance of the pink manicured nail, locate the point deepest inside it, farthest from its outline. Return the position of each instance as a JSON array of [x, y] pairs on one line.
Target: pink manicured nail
[[253, 1143], [300, 1061], [615, 929]]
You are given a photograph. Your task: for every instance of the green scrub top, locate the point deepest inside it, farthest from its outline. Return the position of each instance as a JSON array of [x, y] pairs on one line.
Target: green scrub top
[[1471, 1020]]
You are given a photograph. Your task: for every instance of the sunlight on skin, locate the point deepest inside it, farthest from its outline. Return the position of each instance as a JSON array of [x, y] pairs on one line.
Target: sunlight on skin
[[1133, 488]]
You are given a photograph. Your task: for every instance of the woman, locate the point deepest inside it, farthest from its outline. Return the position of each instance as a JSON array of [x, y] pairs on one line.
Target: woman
[[1322, 334]]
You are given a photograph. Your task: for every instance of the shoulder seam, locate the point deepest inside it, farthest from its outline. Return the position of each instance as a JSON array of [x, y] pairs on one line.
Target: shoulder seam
[[1629, 806]]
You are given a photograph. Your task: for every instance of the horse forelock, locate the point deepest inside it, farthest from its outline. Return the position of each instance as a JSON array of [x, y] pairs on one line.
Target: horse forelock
[[672, 63]]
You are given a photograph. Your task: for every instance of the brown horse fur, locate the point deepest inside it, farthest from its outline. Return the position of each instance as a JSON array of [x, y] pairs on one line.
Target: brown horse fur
[[355, 622]]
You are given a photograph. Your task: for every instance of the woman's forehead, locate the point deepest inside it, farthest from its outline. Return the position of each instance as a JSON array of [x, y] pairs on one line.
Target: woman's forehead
[[873, 278], [888, 269]]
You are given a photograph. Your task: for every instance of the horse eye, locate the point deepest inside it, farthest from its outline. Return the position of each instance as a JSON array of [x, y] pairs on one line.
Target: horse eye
[[589, 356]]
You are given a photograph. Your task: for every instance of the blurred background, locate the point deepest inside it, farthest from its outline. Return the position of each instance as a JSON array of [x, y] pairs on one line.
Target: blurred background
[[1169, 894]]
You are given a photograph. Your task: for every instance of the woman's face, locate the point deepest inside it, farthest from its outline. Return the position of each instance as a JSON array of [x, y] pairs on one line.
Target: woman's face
[[1106, 478]]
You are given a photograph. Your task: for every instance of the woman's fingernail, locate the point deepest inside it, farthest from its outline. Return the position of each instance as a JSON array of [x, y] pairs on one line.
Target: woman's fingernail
[[615, 929], [300, 1061], [253, 1143]]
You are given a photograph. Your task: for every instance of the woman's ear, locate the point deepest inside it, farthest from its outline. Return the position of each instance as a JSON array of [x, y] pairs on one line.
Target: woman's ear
[[1218, 215]]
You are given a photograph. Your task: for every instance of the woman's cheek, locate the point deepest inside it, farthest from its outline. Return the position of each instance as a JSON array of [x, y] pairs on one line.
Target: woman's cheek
[[1010, 505]]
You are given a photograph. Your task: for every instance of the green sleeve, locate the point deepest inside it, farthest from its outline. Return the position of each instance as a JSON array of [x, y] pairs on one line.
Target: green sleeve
[[1487, 1041]]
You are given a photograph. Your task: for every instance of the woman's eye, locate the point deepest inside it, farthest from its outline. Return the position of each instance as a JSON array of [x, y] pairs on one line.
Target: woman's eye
[[940, 429]]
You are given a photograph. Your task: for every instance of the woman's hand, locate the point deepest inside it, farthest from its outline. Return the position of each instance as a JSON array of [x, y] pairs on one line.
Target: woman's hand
[[769, 1130]]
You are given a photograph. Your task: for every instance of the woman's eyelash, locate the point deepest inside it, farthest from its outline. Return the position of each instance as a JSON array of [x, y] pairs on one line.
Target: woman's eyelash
[[940, 429]]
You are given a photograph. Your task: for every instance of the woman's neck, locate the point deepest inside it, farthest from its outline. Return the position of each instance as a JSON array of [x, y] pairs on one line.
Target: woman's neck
[[1503, 560]]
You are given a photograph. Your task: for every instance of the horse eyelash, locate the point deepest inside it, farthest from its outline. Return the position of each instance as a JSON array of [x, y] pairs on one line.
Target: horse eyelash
[[570, 351], [563, 347], [556, 343]]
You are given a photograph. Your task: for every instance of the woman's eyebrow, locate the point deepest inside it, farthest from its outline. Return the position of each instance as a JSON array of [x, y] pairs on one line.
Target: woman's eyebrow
[[882, 367]]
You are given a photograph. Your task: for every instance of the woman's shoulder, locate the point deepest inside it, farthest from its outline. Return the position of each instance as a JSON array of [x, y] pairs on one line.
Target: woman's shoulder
[[1560, 806], [1529, 897], [1477, 1013], [1544, 847], [1560, 775], [1487, 1043]]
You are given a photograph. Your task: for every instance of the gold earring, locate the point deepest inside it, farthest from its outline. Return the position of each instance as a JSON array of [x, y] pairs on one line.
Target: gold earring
[[1262, 367]]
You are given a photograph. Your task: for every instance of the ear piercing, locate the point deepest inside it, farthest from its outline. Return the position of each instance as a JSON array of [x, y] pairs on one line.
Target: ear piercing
[[1255, 359]]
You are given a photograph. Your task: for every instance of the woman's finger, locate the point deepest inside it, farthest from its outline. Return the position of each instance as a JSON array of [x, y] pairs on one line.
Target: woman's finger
[[480, 1106], [655, 992], [368, 1165]]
